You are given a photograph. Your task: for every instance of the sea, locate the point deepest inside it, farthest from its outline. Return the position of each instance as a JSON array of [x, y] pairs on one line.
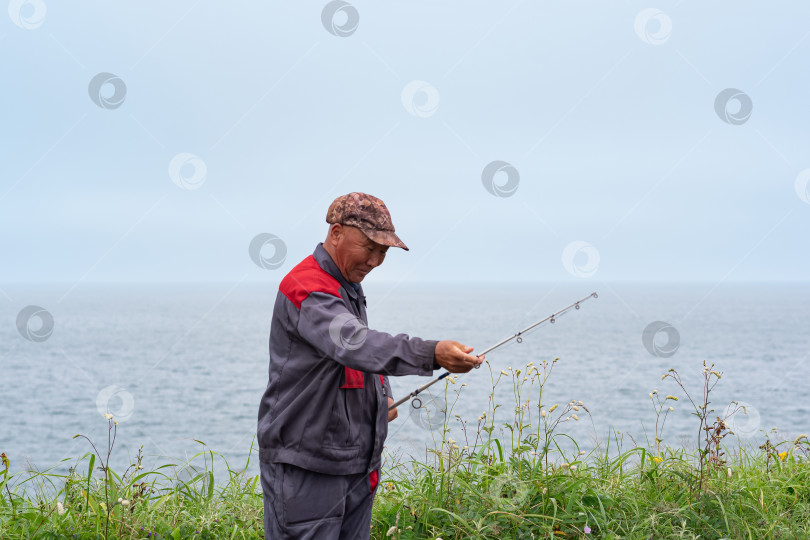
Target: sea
[[182, 368]]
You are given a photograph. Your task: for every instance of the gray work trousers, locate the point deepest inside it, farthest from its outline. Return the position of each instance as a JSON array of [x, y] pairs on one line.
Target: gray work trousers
[[302, 504]]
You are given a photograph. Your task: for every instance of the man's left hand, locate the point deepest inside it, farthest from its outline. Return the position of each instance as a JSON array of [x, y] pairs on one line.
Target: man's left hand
[[392, 413]]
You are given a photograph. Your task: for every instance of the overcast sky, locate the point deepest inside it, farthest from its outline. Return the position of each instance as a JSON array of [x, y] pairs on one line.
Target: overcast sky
[[635, 141]]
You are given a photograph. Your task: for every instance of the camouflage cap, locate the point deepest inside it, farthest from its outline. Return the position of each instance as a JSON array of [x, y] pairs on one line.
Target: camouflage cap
[[367, 213]]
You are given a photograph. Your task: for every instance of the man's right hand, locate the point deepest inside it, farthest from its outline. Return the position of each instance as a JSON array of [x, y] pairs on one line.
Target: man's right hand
[[455, 357]]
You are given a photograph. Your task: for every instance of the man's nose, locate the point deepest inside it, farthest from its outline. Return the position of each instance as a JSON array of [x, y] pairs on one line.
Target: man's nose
[[375, 260]]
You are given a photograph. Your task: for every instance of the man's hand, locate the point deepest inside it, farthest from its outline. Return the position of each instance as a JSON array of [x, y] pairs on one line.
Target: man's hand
[[455, 357], [392, 413]]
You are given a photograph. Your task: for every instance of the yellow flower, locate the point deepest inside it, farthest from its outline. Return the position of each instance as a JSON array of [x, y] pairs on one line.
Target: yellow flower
[[650, 395], [543, 413], [108, 416], [671, 409], [664, 376], [504, 373], [656, 459], [575, 417], [551, 410], [673, 398], [783, 456], [576, 408]]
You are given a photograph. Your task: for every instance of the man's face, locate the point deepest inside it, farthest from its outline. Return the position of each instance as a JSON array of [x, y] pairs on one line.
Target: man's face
[[354, 253]]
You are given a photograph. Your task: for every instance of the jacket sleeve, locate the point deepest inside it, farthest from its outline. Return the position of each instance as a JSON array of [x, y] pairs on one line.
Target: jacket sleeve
[[326, 323]]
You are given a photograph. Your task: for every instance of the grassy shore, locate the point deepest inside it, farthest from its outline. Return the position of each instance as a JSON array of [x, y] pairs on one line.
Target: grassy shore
[[534, 484]]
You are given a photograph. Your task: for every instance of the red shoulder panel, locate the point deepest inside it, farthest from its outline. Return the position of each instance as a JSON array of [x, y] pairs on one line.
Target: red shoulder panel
[[307, 277]]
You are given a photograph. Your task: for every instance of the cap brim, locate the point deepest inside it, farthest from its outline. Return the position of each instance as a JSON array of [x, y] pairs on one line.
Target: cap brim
[[386, 238]]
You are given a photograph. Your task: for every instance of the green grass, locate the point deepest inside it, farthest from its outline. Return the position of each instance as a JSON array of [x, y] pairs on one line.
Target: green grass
[[627, 496], [535, 483]]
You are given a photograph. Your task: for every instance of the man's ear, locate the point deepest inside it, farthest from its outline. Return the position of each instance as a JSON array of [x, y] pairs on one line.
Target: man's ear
[[335, 232]]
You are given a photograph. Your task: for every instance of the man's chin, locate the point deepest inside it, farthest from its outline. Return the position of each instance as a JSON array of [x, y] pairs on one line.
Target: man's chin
[[359, 277]]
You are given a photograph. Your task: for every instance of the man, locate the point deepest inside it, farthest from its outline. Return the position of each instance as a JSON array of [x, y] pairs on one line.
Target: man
[[324, 416]]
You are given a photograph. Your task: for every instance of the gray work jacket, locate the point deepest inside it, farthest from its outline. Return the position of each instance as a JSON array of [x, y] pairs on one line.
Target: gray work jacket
[[325, 408]]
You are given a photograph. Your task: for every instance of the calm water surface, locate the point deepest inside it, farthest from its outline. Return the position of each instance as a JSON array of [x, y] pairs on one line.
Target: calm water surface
[[187, 363]]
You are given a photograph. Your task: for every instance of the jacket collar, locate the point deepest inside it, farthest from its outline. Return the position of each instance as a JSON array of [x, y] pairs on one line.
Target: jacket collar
[[325, 261]]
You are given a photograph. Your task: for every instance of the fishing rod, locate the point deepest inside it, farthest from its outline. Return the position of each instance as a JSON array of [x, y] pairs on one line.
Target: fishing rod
[[417, 403]]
